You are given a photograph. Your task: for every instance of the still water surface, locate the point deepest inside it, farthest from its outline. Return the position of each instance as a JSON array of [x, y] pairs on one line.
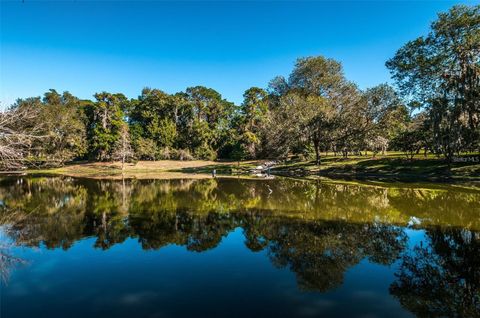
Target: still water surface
[[236, 248]]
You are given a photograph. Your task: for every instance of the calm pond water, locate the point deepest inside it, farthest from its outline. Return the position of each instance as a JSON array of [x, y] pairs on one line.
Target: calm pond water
[[236, 248]]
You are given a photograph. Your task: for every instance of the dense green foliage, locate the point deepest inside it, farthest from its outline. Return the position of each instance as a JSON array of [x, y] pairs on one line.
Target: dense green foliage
[[315, 109], [440, 74]]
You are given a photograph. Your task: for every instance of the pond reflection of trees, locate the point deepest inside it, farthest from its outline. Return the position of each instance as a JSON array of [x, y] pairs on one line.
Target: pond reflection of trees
[[318, 231], [441, 278]]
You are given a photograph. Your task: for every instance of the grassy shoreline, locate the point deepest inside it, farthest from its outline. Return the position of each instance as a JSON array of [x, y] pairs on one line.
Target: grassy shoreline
[[390, 168]]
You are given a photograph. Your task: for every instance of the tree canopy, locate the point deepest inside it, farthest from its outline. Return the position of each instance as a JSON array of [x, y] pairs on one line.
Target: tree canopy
[[434, 106]]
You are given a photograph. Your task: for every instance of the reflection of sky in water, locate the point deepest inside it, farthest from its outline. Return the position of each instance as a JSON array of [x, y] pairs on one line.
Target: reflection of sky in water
[[226, 247], [126, 280]]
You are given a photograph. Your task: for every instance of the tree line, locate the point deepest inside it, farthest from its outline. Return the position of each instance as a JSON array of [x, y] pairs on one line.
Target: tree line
[[435, 107]]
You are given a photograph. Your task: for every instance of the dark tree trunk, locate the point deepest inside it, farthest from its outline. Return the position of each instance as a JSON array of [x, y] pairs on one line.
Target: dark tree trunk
[[316, 145]]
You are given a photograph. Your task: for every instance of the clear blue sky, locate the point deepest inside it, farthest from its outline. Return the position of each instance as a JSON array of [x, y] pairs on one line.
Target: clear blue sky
[[86, 47]]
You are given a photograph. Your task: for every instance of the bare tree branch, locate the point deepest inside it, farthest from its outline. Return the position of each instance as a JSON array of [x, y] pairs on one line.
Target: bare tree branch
[[18, 129]]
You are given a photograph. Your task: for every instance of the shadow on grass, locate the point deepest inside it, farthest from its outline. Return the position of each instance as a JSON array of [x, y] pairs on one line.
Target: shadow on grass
[[220, 169], [366, 168], [385, 169]]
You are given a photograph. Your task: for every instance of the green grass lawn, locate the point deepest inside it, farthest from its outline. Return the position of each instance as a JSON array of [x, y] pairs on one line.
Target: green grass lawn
[[391, 166], [394, 166]]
